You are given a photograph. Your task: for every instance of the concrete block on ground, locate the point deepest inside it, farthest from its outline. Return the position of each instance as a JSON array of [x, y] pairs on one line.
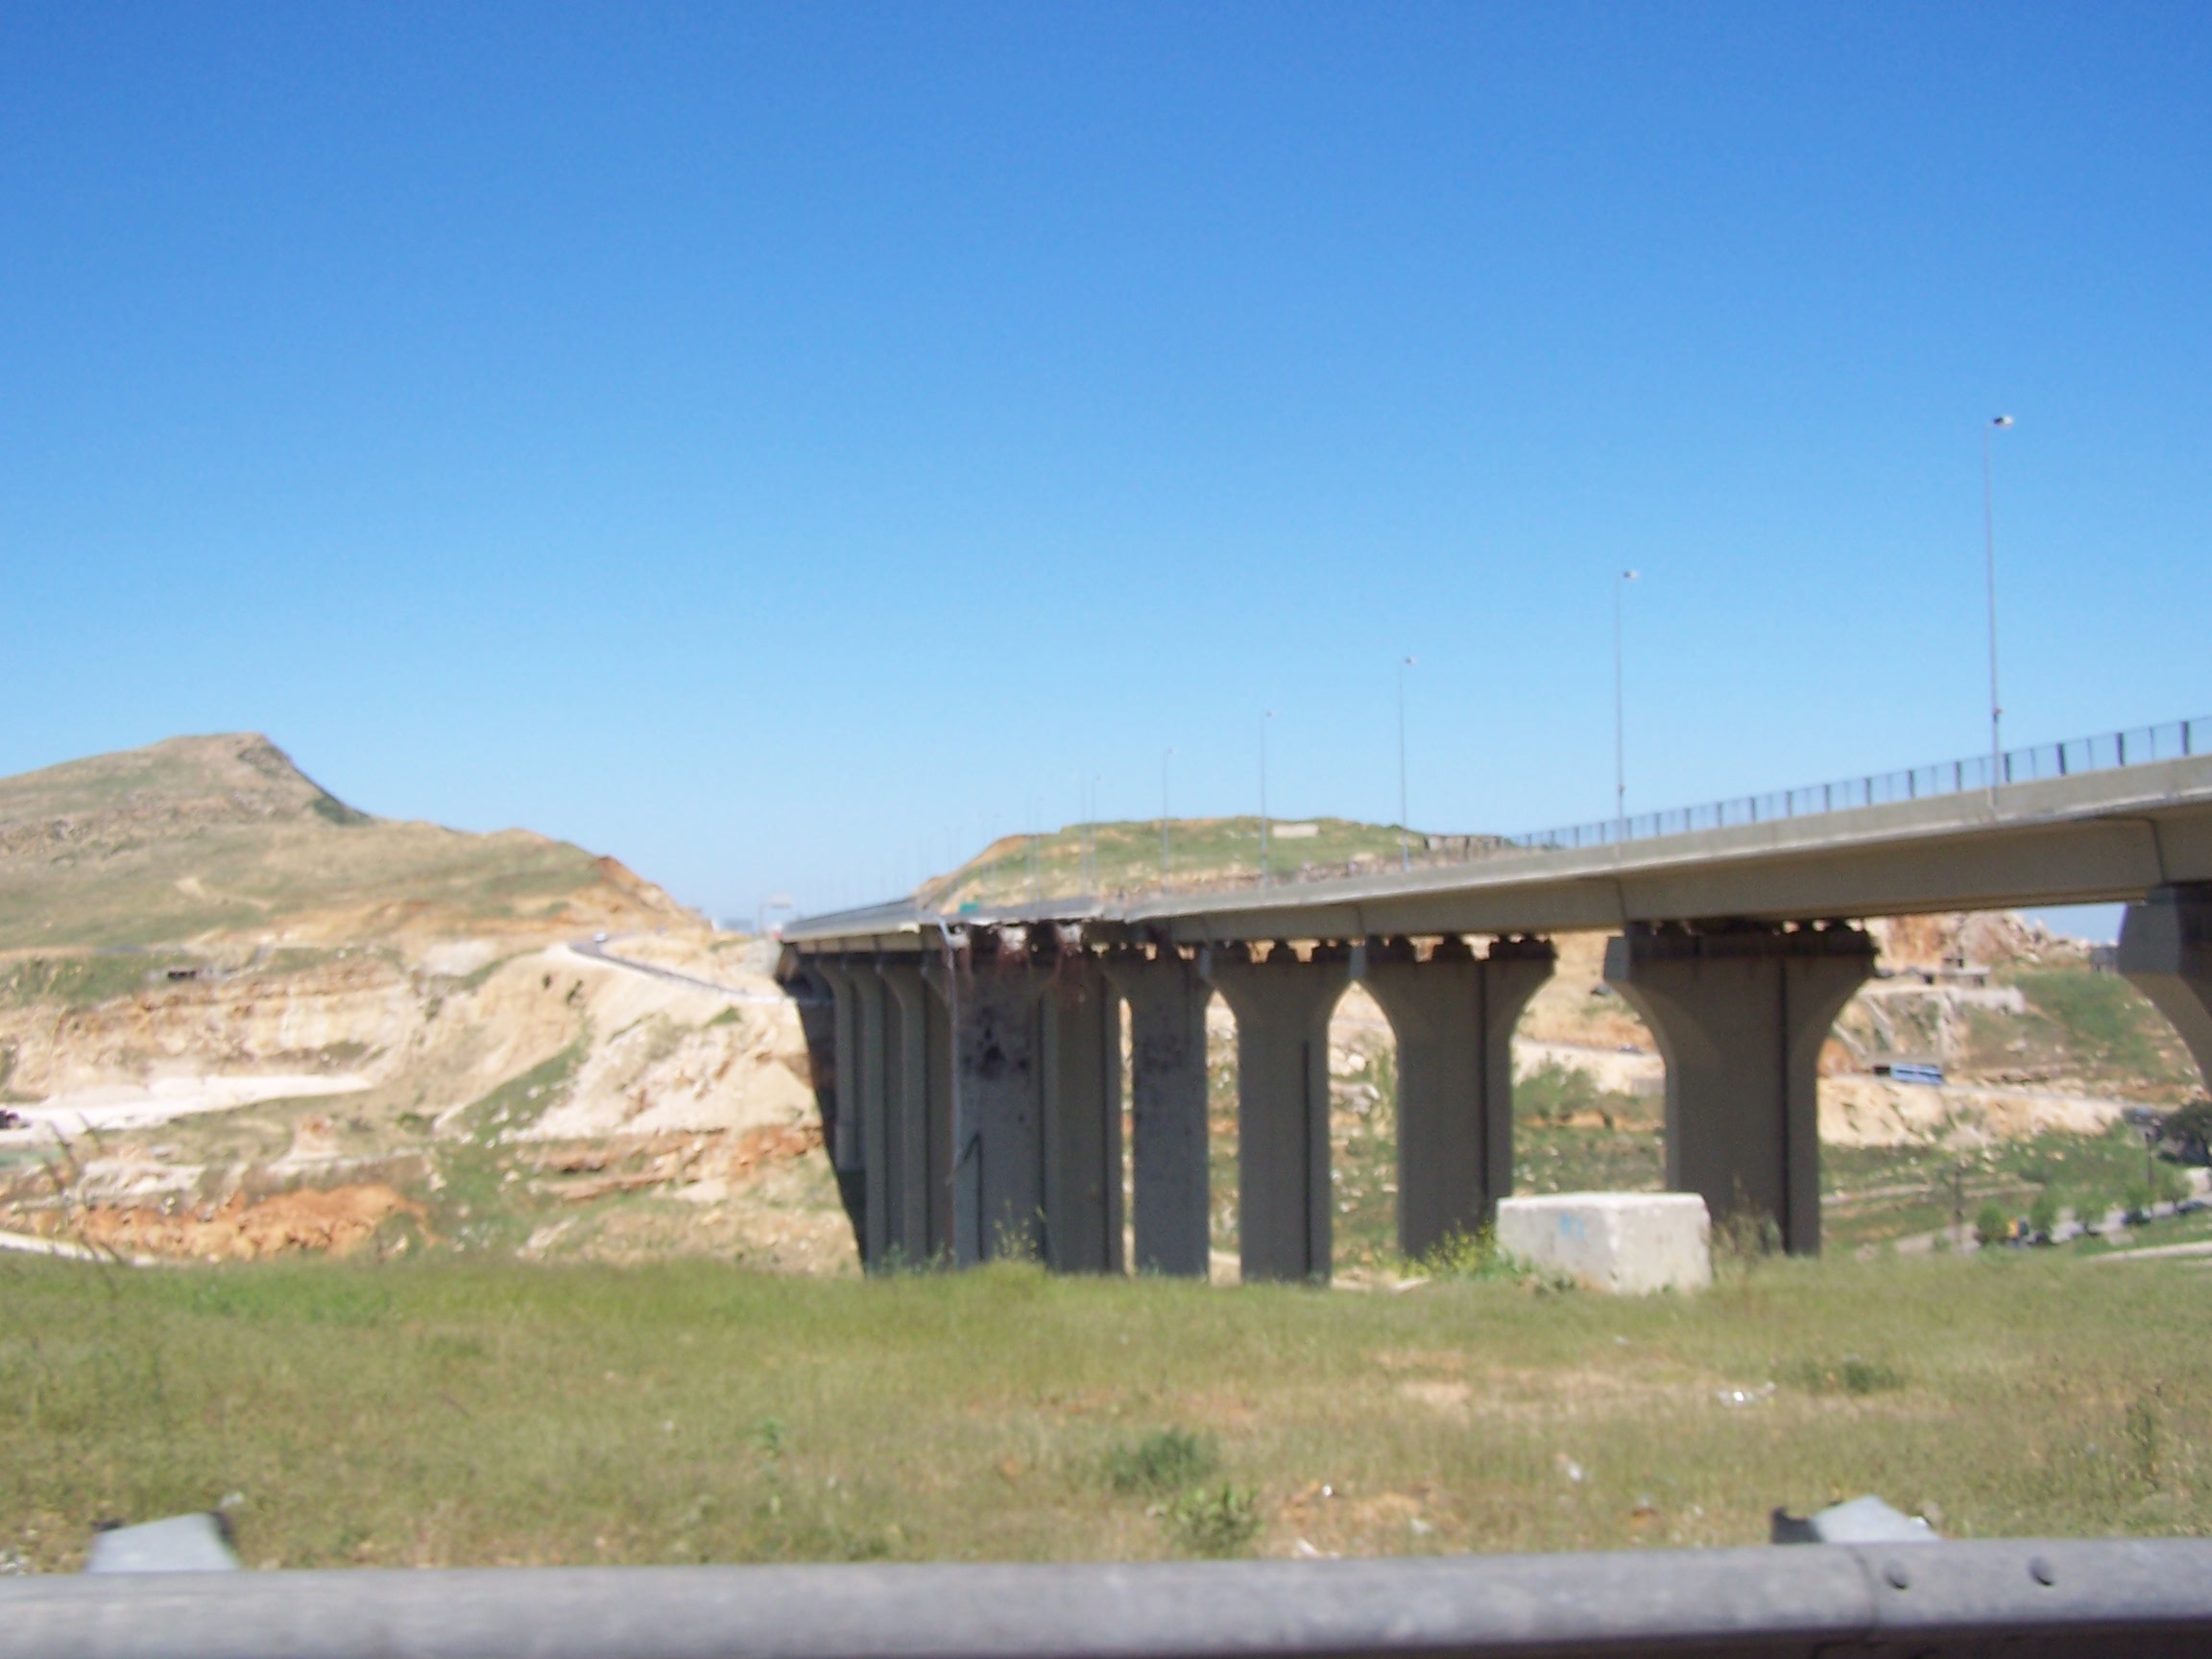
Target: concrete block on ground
[[1626, 1243]]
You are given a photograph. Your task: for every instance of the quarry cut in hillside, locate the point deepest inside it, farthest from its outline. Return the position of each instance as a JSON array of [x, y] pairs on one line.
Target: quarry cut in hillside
[[239, 1017]]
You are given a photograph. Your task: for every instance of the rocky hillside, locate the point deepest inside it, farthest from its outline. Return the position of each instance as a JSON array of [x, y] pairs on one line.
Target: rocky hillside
[[238, 1016]]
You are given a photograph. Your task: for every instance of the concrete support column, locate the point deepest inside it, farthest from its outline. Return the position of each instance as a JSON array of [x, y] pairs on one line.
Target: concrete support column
[[872, 1051], [916, 1135], [1081, 1072], [1166, 1108], [840, 1103], [1283, 1202], [813, 990], [2166, 953], [1741, 1012], [1453, 1016], [991, 994]]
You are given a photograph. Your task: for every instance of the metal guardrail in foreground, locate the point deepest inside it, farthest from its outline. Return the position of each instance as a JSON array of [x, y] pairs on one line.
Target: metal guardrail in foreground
[[2121, 1599], [2175, 741]]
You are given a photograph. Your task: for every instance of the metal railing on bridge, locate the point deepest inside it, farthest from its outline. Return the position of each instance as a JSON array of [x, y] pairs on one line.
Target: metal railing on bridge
[[2174, 740]]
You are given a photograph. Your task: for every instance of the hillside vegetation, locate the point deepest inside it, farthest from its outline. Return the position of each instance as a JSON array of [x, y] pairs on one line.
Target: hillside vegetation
[[1125, 858], [224, 838]]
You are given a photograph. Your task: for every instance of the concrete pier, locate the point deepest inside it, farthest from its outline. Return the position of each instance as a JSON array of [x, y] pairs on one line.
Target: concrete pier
[[1080, 1031], [2166, 953], [1454, 1015], [1740, 1012], [1170, 1201], [1284, 1201], [838, 1097], [991, 993], [919, 1128]]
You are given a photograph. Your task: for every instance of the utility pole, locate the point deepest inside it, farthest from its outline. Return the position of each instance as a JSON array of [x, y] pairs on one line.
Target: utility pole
[[1264, 870], [1620, 719], [1405, 853], [1990, 564]]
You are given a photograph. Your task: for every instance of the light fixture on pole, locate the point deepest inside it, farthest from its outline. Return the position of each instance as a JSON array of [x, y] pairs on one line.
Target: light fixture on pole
[[1620, 718], [1405, 853], [1264, 870], [1164, 862], [1989, 569], [1097, 778]]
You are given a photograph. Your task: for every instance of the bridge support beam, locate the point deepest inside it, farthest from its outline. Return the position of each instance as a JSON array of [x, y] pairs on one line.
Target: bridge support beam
[[991, 992], [837, 1097], [2166, 953], [918, 1128], [1080, 1033], [1453, 1016], [1283, 1195], [1740, 1013], [1171, 1199]]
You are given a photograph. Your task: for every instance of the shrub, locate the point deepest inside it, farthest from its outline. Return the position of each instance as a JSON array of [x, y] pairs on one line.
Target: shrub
[[2043, 1214], [1160, 1463], [2169, 1185], [1553, 1092], [1991, 1225], [1850, 1375], [1216, 1521]]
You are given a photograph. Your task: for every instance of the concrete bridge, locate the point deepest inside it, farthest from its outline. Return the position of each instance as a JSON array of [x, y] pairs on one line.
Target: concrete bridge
[[969, 1065]]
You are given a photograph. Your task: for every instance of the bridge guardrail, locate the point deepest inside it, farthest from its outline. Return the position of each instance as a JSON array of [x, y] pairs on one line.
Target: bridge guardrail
[[2122, 1599], [2174, 740]]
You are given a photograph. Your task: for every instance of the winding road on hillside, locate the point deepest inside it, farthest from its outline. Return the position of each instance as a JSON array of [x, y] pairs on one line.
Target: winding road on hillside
[[593, 948]]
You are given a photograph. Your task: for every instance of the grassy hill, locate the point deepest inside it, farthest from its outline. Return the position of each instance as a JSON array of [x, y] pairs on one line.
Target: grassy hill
[[1200, 852], [223, 836]]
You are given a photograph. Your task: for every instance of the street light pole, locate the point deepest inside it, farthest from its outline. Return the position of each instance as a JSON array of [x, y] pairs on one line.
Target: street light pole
[[1163, 865], [1264, 870], [1989, 567], [1620, 719], [1405, 856]]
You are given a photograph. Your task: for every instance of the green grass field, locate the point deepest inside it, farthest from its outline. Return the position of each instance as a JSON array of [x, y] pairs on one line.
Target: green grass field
[[483, 1411]]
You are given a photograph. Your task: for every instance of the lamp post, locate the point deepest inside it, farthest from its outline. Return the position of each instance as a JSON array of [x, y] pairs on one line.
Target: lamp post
[[1620, 719], [1989, 571], [1264, 874], [1163, 865], [1404, 855], [1092, 818]]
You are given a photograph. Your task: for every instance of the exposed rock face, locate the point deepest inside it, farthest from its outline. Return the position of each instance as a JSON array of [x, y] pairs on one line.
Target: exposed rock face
[[240, 1017]]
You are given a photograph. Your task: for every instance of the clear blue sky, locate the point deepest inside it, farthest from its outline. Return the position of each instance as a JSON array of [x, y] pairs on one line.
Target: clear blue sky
[[781, 446]]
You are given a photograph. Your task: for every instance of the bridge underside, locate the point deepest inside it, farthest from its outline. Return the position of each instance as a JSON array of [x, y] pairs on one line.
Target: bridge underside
[[970, 1071]]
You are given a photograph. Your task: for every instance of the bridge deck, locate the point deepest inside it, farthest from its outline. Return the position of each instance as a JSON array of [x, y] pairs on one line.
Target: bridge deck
[[2101, 837]]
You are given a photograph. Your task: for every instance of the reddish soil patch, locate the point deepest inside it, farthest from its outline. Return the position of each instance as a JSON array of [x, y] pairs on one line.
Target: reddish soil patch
[[332, 1221]]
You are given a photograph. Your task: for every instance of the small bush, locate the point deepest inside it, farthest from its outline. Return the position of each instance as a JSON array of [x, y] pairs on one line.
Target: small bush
[[1160, 1463], [1216, 1521], [2043, 1214], [1991, 1225], [1553, 1092], [2169, 1184], [1850, 1375], [1466, 1255], [1746, 1236]]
